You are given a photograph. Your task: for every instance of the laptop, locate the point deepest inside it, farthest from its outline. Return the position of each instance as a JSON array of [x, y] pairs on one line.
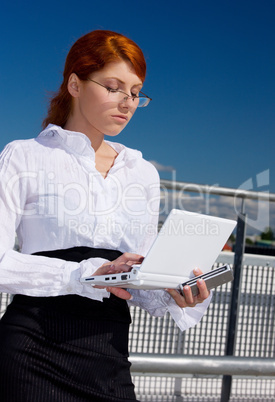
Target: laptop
[[186, 240]]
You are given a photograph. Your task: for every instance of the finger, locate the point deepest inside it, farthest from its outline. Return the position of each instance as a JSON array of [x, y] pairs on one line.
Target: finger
[[126, 257], [121, 268], [203, 291], [197, 271], [179, 299], [119, 292], [131, 263], [112, 269], [188, 295], [185, 300], [125, 268], [105, 269]]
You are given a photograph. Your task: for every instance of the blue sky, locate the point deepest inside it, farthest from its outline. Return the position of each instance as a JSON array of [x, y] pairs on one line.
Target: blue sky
[[210, 74]]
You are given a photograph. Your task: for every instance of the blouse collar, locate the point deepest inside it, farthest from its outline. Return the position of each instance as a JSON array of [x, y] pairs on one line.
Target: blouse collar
[[79, 143]]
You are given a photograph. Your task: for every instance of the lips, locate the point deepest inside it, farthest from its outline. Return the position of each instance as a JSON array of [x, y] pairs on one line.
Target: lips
[[120, 118]]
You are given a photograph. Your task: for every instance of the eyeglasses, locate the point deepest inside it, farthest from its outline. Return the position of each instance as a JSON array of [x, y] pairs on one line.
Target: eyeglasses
[[141, 101]]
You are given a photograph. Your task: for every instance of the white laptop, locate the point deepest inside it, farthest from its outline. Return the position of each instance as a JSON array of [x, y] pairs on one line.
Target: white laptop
[[186, 240]]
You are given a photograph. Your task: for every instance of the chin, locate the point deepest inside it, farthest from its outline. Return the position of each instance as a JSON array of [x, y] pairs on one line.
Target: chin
[[113, 133]]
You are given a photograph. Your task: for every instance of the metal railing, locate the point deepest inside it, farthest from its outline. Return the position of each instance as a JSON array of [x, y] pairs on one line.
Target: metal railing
[[181, 186], [214, 365]]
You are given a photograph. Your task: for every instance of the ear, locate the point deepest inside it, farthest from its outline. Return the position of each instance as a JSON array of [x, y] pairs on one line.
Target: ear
[[74, 85]]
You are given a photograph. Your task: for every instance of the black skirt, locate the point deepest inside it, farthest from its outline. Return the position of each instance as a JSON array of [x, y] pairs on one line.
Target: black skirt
[[66, 348]]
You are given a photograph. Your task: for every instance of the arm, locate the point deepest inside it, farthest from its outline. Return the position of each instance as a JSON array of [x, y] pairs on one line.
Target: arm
[[186, 310], [28, 274]]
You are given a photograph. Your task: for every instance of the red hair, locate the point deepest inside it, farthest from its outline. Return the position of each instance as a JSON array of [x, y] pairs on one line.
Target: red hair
[[91, 53]]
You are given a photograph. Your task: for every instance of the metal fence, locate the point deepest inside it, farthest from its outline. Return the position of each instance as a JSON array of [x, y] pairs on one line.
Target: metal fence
[[4, 302], [198, 375]]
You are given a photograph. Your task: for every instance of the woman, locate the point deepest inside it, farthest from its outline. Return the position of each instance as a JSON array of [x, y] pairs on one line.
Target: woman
[[80, 205]]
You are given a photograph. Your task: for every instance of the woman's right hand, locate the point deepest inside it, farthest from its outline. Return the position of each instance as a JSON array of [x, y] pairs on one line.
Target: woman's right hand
[[122, 264]]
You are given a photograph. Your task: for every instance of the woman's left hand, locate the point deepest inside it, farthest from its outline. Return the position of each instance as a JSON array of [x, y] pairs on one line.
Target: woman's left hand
[[188, 300]]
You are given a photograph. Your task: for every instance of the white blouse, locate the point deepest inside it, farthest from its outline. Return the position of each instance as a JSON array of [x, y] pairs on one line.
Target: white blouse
[[53, 197]]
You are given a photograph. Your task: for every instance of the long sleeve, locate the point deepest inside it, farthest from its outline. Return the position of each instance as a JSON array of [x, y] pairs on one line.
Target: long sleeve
[[27, 274], [159, 302], [43, 276]]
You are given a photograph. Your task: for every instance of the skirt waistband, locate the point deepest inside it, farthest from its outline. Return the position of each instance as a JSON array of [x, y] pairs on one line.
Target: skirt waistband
[[78, 254], [112, 308]]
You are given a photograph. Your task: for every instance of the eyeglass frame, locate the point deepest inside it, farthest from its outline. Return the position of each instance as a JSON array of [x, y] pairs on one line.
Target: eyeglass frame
[[133, 97]]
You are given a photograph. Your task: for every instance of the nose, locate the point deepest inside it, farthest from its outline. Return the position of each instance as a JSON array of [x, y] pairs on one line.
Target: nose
[[126, 98], [129, 102]]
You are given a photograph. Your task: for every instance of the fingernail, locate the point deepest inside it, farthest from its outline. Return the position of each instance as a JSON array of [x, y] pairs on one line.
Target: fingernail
[[196, 270]]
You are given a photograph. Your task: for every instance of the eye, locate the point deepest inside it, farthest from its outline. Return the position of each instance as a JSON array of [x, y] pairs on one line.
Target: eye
[[112, 90], [134, 95]]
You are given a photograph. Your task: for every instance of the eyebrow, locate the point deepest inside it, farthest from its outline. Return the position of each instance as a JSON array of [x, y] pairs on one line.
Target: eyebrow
[[122, 82]]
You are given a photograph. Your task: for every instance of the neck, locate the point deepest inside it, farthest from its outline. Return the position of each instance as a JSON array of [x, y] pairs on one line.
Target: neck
[[104, 154]]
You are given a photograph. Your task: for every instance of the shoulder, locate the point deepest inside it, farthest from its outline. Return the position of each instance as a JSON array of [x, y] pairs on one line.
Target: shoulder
[[144, 165], [134, 159], [149, 169], [15, 151], [18, 146], [20, 155]]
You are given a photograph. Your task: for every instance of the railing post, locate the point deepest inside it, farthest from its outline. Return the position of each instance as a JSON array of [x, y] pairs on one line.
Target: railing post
[[235, 296]]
